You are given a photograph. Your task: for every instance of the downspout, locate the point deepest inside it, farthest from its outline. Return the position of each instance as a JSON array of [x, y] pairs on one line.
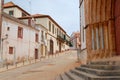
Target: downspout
[[1, 10]]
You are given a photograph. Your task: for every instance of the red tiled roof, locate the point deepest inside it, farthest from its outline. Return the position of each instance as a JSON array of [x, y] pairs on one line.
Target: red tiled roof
[[36, 15], [42, 16], [9, 4]]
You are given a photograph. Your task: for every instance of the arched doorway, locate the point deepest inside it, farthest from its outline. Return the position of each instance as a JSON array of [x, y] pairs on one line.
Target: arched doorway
[[51, 47]]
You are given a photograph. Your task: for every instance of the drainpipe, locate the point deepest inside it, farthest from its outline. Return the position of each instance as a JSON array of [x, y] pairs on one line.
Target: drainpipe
[[1, 9]]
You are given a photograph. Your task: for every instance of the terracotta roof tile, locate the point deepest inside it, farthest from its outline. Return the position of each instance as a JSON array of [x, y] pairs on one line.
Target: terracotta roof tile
[[35, 15], [9, 4]]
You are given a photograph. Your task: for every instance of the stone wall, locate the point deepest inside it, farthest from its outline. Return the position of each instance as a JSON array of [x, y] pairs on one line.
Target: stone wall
[[100, 30], [117, 25]]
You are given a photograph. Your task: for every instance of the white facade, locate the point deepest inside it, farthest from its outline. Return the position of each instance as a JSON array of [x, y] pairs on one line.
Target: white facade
[[52, 35], [51, 30], [23, 48], [83, 55], [82, 25], [50, 42], [42, 40]]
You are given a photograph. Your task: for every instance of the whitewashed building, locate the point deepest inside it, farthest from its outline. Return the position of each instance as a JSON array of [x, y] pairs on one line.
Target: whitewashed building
[[56, 36], [19, 41], [42, 35]]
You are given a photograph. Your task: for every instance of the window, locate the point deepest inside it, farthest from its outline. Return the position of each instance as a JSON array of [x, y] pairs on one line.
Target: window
[[10, 50], [97, 38], [102, 37], [45, 35], [49, 26], [20, 32], [64, 37], [23, 14], [8, 28], [60, 33], [36, 53], [53, 28], [42, 36], [36, 37], [83, 34], [29, 22], [11, 13], [57, 31]]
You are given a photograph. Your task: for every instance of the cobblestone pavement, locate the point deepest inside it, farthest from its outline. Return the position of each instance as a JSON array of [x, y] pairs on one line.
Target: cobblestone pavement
[[46, 69]]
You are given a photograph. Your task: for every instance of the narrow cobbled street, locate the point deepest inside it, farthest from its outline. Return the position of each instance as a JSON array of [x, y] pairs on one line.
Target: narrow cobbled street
[[46, 69]]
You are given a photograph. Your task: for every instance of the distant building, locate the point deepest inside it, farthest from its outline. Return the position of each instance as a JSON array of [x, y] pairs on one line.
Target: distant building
[[75, 40]]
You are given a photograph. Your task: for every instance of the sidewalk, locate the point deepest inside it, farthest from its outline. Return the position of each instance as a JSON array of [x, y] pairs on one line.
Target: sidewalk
[[46, 69], [27, 63]]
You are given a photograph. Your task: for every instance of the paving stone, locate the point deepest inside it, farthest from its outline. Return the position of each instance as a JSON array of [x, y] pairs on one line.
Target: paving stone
[[73, 76], [58, 78], [64, 77]]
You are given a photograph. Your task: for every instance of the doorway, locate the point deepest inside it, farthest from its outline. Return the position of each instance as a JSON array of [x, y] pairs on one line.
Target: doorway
[[36, 53], [51, 47]]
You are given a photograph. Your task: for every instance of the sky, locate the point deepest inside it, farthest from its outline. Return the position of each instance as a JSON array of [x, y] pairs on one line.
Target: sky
[[64, 12]]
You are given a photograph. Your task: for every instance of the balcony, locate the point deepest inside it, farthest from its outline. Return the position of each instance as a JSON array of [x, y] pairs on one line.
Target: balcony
[[60, 38]]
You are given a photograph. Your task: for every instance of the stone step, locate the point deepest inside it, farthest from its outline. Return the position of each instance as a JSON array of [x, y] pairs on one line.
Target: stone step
[[64, 77], [103, 67], [73, 76], [87, 76], [100, 72], [105, 63], [58, 78]]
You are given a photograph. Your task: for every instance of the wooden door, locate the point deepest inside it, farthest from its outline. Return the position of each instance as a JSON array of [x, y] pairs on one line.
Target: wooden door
[[51, 47], [36, 53]]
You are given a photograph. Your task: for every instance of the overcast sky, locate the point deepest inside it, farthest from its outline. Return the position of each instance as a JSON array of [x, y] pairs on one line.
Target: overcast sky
[[64, 12]]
